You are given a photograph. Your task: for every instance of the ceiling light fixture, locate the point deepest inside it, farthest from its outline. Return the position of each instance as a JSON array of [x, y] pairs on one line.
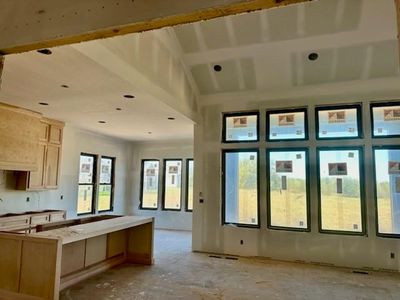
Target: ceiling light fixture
[[217, 68], [65, 86], [102, 122], [313, 56], [129, 96], [171, 118], [118, 108], [149, 132], [45, 51], [43, 103]]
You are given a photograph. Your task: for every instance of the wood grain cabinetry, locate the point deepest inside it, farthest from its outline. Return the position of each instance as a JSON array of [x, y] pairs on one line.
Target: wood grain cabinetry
[[19, 138], [26, 222], [50, 145]]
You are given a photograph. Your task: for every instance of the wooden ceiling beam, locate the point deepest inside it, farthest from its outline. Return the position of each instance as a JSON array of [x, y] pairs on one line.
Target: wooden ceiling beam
[[37, 24]]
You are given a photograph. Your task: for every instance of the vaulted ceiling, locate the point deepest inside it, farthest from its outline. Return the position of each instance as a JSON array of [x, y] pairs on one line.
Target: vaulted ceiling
[[264, 50]]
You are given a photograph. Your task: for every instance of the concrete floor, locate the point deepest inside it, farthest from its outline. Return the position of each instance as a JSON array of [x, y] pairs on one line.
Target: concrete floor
[[180, 274]]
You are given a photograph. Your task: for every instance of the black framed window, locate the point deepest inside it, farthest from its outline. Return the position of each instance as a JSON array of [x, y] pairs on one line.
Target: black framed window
[[106, 184], [240, 127], [387, 190], [338, 122], [385, 119], [288, 191], [340, 185], [240, 187], [172, 188], [286, 125], [87, 183], [189, 184], [149, 184]]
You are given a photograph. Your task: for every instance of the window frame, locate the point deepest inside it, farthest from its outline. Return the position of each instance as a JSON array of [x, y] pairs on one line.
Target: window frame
[[381, 147], [287, 110], [308, 199], [164, 186], [381, 104], [93, 184], [361, 160], [223, 188], [187, 185], [357, 106], [142, 182], [112, 183], [240, 114]]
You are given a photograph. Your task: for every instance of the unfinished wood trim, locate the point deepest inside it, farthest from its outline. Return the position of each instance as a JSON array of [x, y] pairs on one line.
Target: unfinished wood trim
[[20, 110], [194, 16]]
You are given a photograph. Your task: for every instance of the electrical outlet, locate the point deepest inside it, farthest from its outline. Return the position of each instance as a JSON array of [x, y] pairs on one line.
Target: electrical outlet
[[28, 199], [392, 255], [241, 242], [62, 197]]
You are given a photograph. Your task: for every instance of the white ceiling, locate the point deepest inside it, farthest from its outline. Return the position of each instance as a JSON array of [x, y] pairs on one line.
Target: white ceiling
[[93, 95], [264, 50], [259, 52]]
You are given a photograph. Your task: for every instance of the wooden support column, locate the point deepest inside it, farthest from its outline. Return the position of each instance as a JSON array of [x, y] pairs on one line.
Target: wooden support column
[[32, 24], [2, 58]]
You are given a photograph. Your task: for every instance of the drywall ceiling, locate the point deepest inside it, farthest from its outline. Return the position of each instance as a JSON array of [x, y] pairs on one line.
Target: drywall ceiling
[[94, 94], [268, 50]]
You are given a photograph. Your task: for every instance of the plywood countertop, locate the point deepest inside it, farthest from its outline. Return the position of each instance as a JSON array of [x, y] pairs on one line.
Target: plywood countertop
[[84, 231]]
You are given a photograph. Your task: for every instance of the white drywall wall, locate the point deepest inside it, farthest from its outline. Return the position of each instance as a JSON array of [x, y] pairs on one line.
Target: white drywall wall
[[181, 220], [210, 236]]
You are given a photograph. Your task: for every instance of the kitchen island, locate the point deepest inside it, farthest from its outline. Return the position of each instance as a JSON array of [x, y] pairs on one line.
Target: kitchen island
[[61, 254]]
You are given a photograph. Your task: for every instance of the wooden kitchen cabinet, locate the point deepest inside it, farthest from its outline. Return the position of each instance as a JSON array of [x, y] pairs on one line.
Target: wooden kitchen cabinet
[[48, 173], [19, 138]]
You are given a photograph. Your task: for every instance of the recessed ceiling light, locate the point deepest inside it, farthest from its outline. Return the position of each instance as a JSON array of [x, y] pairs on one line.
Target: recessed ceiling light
[[118, 108], [102, 122], [43, 103], [171, 118], [129, 96], [45, 51], [149, 132], [65, 86], [217, 68], [313, 56]]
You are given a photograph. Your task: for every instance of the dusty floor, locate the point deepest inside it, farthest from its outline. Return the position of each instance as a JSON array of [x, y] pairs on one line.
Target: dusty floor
[[180, 274]]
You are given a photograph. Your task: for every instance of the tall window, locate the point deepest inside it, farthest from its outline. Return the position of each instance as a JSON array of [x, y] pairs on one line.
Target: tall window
[[172, 184], [149, 185], [87, 181], [387, 189], [106, 184], [339, 122], [240, 187], [340, 190], [189, 184], [288, 189]]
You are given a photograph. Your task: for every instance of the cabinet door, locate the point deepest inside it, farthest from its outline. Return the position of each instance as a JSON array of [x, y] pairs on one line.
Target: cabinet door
[[44, 132], [36, 178], [52, 166], [55, 135]]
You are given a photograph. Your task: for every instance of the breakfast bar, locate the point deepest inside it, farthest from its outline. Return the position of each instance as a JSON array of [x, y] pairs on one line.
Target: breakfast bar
[[58, 255]]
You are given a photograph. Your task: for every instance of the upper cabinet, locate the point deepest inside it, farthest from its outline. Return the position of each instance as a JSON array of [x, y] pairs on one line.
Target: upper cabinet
[[19, 138], [49, 157]]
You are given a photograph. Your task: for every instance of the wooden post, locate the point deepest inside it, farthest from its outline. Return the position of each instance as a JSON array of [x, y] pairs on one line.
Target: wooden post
[[1, 67]]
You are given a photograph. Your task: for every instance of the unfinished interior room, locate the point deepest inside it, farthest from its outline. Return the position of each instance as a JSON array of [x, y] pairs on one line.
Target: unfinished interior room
[[208, 149]]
